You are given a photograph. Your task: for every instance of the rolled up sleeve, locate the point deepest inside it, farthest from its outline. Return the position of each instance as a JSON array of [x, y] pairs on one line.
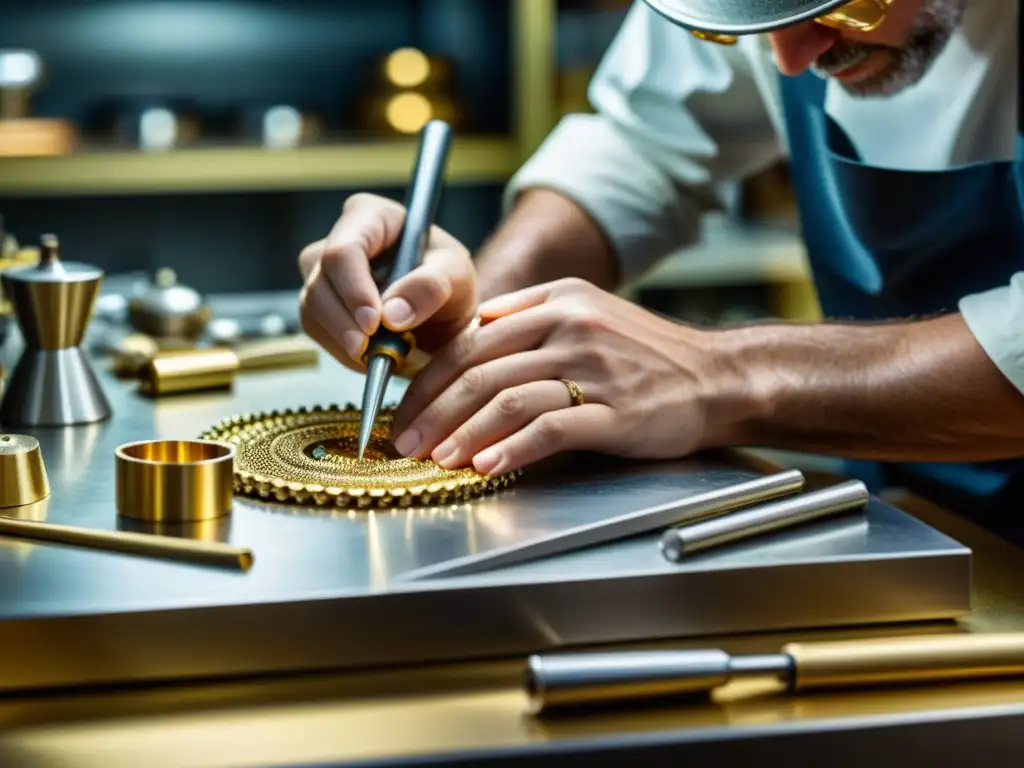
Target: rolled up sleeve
[[996, 318], [676, 120]]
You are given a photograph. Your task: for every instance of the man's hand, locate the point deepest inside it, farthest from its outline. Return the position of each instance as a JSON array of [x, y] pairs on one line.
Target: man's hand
[[341, 305], [495, 398]]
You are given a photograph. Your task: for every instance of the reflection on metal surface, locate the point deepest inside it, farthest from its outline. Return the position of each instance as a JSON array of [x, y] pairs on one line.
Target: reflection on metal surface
[[202, 530], [309, 456], [174, 481], [53, 383], [23, 478], [692, 507], [69, 449], [767, 518]]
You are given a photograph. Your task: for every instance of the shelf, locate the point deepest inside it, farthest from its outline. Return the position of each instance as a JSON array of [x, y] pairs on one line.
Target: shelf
[[356, 164]]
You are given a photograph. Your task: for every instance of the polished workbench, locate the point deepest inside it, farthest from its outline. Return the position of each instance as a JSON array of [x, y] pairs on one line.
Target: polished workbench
[[326, 590], [417, 712]]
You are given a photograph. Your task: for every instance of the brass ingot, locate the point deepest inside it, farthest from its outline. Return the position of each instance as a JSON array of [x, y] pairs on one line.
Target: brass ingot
[[309, 456], [188, 371], [174, 481], [23, 477], [194, 370]]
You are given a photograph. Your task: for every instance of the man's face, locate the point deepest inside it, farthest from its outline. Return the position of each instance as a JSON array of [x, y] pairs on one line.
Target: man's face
[[882, 62]]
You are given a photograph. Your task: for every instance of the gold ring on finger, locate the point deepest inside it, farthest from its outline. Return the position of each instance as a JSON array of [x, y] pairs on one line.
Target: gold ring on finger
[[574, 391]]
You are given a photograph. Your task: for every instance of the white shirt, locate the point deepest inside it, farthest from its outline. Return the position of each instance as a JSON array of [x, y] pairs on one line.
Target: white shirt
[[678, 118]]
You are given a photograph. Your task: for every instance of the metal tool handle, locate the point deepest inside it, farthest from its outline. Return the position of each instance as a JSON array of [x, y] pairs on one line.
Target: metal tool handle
[[570, 680], [678, 543], [929, 658], [421, 202], [422, 198]]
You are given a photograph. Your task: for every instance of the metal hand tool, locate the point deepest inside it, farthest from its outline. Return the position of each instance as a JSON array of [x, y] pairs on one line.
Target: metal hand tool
[[387, 349], [562, 681], [679, 543], [697, 506]]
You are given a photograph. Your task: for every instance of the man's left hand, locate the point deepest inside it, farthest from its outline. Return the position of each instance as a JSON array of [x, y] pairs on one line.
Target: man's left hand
[[496, 396]]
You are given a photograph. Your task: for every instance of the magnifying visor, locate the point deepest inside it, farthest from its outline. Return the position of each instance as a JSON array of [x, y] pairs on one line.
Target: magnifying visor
[[724, 21]]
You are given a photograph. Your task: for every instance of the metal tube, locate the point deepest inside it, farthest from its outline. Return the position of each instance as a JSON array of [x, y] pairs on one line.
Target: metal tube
[[744, 524], [925, 659], [162, 547], [698, 506], [572, 680]]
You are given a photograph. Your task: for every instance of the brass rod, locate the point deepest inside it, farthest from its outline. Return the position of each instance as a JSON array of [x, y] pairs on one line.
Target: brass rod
[[147, 545]]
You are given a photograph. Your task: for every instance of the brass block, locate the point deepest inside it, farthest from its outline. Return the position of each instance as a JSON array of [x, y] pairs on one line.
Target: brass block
[[188, 371], [23, 477], [174, 481]]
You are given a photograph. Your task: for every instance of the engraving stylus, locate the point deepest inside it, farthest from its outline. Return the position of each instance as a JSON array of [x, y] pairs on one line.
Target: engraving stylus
[[387, 349]]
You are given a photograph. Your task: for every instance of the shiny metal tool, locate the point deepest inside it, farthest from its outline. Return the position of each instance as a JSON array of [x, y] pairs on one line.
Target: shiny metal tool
[[696, 507], [572, 680], [387, 349], [679, 543], [53, 383]]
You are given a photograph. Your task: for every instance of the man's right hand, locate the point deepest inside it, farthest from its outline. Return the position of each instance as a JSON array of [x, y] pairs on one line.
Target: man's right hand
[[341, 305]]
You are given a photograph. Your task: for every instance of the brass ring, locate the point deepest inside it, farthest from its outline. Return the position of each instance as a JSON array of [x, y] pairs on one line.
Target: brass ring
[[574, 391], [174, 481]]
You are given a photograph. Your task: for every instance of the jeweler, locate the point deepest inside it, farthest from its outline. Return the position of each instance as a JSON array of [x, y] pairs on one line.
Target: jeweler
[[899, 121]]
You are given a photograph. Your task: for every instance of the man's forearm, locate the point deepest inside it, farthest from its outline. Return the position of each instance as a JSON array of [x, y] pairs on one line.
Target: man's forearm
[[546, 237], [916, 391]]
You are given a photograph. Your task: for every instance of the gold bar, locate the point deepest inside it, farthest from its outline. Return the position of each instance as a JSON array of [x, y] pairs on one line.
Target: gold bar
[[159, 547]]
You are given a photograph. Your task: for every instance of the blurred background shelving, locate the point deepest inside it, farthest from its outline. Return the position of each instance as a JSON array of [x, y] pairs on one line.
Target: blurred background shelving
[[230, 206]]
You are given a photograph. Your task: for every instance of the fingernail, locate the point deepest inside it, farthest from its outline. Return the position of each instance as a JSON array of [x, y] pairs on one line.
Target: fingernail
[[487, 461], [397, 312], [353, 342], [443, 454], [366, 318], [408, 442]]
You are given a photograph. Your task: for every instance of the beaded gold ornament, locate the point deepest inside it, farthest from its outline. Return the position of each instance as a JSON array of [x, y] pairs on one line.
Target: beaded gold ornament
[[309, 456]]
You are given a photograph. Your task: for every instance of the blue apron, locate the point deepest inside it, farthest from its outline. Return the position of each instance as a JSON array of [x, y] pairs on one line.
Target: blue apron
[[888, 244]]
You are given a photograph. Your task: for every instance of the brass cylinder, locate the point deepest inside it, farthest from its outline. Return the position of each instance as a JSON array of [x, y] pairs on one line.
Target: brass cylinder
[[174, 481], [189, 371], [930, 658], [23, 477]]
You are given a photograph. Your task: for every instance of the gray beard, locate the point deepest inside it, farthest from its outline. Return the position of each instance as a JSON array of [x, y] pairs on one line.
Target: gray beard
[[907, 65]]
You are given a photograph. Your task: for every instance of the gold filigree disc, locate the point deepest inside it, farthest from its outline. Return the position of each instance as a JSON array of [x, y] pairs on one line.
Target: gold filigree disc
[[308, 456]]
